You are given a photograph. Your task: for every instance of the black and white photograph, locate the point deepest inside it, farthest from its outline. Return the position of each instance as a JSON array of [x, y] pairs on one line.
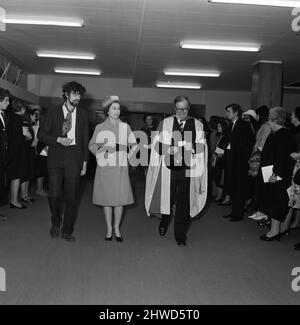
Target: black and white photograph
[[149, 155]]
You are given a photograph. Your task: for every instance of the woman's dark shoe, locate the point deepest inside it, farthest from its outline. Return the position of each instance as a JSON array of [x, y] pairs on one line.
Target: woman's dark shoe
[[286, 232], [119, 238], [27, 200], [266, 238], [108, 238], [17, 207], [264, 224]]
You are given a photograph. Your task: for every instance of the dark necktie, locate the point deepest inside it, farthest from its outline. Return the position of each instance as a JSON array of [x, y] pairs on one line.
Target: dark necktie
[[67, 125], [4, 131], [3, 117], [181, 125]]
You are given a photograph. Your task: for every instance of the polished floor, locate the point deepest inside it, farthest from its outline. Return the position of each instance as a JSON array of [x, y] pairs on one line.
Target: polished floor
[[223, 263]]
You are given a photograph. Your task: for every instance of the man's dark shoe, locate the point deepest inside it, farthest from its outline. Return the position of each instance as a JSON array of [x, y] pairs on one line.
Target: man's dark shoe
[[162, 229], [181, 243], [3, 217], [67, 237], [54, 232], [228, 216]]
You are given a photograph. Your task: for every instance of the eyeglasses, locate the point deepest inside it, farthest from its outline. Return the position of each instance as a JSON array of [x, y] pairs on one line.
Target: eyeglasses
[[181, 110]]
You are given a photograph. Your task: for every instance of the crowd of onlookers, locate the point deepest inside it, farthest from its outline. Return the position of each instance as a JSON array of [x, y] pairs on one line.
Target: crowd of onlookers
[[254, 159], [22, 156]]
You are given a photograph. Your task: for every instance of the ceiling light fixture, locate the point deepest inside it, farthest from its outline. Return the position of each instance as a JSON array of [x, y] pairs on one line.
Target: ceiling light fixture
[[273, 3], [195, 45], [192, 73], [77, 71], [177, 85], [69, 22], [65, 55]]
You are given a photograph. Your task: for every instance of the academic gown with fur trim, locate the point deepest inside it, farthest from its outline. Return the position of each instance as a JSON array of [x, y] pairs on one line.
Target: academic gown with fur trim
[[157, 195]]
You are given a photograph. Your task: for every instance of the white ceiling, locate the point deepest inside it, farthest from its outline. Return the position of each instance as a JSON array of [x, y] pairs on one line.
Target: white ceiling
[[138, 39]]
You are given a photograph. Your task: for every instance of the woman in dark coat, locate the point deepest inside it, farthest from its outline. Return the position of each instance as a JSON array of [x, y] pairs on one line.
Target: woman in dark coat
[[277, 152], [217, 160], [226, 165], [28, 122], [40, 153], [148, 129], [292, 221], [17, 168]]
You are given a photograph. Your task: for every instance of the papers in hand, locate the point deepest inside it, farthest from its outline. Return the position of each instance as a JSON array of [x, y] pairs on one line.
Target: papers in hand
[[44, 152], [267, 172], [219, 151]]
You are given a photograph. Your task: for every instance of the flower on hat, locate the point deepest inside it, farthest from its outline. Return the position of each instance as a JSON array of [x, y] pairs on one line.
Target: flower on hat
[[110, 100]]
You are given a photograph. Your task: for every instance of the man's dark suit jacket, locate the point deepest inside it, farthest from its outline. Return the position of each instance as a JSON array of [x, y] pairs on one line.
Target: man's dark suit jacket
[[241, 140], [3, 161], [51, 129], [3, 143]]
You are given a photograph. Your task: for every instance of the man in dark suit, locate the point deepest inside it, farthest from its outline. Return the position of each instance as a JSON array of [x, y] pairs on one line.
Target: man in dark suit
[[4, 102], [241, 141], [65, 131]]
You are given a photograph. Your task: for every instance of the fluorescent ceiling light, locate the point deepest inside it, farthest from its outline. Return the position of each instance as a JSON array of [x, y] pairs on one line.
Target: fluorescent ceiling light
[[77, 71], [220, 46], [177, 85], [192, 73], [65, 55], [70, 22], [274, 3]]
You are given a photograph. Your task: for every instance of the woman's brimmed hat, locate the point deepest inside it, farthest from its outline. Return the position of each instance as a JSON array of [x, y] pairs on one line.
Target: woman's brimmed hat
[[251, 112], [110, 100]]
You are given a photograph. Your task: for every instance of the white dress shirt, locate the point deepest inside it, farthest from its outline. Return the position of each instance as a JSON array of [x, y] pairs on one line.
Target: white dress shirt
[[2, 119], [229, 144], [180, 121], [71, 133]]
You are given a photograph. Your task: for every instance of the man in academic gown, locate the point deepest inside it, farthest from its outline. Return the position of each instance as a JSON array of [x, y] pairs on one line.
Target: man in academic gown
[[177, 174]]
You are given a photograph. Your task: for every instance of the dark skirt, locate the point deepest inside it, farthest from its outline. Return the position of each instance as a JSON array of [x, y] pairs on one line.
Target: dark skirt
[[41, 166], [217, 172], [18, 166], [31, 162], [272, 199]]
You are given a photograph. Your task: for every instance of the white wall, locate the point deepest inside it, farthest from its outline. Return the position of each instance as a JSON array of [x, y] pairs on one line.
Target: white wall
[[19, 92], [98, 88], [216, 101]]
